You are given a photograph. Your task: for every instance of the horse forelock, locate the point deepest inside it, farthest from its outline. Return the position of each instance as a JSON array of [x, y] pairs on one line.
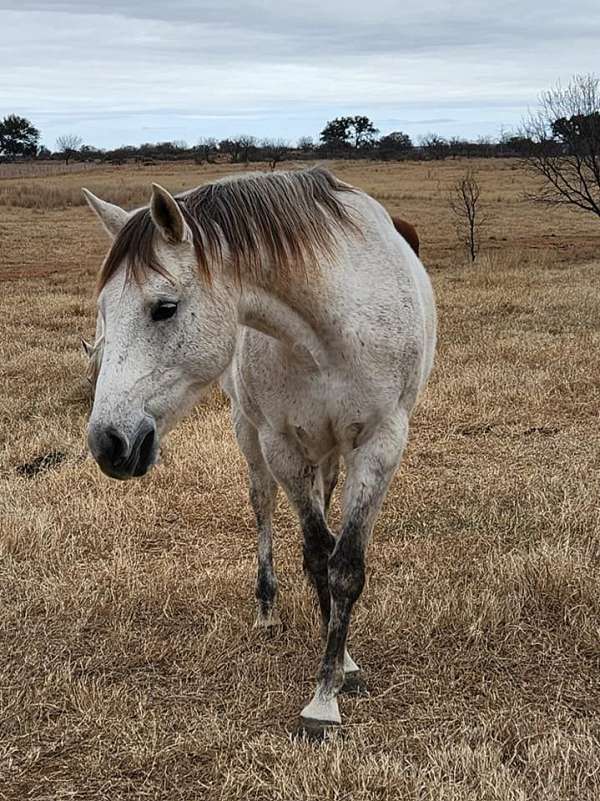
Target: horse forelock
[[266, 226]]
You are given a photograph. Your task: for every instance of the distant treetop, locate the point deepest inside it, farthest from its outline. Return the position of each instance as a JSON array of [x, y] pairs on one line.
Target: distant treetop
[[18, 137]]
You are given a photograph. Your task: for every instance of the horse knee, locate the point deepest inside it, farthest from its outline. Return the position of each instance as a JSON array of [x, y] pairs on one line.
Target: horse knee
[[262, 496], [319, 542], [315, 563], [346, 571], [316, 558]]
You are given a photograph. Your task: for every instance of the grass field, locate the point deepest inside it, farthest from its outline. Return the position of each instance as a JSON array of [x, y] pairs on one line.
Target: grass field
[[129, 668]]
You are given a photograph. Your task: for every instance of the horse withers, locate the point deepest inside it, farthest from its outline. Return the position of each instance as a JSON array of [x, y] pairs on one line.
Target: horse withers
[[295, 293]]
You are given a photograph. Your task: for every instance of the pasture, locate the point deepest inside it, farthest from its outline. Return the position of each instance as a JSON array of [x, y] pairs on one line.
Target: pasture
[[129, 668]]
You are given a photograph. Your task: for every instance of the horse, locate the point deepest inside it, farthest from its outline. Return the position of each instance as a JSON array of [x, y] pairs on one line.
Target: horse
[[295, 293], [408, 232]]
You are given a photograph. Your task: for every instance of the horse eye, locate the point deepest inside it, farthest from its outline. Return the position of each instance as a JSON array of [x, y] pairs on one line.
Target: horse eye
[[163, 310]]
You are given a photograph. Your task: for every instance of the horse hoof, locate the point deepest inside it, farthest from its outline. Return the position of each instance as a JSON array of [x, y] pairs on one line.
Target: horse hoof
[[270, 624], [318, 716], [354, 684], [315, 731]]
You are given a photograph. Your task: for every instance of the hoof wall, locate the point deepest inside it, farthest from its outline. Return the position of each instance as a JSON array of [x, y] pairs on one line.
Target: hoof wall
[[270, 625], [354, 684], [315, 731]]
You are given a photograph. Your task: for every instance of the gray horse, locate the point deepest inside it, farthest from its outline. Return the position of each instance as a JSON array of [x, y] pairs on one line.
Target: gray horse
[[294, 292]]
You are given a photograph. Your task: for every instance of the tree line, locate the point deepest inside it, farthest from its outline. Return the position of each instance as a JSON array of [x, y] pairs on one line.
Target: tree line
[[344, 137]]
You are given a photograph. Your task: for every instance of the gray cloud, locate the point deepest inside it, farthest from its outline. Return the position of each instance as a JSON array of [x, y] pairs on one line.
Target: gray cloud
[[271, 67], [342, 27]]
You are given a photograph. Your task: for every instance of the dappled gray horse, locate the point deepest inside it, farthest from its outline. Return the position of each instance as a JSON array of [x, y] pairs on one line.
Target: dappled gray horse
[[295, 292]]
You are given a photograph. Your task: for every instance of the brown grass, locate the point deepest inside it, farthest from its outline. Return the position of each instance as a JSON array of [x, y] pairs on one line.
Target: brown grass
[[37, 169], [128, 663], [129, 187]]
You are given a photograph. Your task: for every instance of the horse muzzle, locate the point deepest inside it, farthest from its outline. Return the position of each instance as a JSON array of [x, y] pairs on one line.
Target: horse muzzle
[[120, 456]]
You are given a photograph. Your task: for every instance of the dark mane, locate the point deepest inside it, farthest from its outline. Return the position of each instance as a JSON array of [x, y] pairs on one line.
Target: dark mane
[[270, 226]]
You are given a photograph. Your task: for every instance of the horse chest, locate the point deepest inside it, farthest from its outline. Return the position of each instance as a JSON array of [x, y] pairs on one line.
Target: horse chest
[[293, 403], [320, 413]]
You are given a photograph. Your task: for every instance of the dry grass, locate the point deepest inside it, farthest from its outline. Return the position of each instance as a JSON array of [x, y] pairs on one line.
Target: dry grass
[[37, 169], [128, 663], [126, 186]]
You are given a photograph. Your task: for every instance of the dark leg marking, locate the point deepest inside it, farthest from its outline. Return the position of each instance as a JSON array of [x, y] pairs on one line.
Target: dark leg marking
[[319, 542], [346, 572], [266, 583]]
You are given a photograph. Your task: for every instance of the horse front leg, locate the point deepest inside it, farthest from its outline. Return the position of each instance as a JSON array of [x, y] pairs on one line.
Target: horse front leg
[[304, 485], [318, 546], [370, 468], [263, 492]]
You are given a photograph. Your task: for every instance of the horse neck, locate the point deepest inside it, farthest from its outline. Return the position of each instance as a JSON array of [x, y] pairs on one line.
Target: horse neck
[[297, 321]]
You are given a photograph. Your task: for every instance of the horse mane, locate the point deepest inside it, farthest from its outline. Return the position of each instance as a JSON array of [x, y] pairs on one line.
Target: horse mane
[[267, 226]]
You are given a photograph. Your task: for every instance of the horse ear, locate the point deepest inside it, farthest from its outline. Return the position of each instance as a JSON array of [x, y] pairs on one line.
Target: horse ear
[[167, 216], [112, 217]]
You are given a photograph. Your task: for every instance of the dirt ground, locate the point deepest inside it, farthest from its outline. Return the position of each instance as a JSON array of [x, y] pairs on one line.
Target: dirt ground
[[129, 667]]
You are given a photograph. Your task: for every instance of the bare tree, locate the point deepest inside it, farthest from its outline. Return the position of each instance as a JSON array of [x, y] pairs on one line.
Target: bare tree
[[275, 150], [434, 145], [247, 144], [207, 147], [306, 144], [68, 145], [465, 204], [564, 144], [231, 148]]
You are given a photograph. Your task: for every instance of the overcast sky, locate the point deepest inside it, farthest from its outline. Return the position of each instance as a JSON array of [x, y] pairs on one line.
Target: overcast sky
[[116, 72]]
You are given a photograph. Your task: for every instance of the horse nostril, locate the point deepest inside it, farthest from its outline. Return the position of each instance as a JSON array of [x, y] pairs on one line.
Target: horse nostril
[[144, 447], [116, 447], [147, 446]]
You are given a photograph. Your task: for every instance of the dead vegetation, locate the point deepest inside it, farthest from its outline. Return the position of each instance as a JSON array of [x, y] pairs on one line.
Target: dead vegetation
[[465, 206], [129, 668], [37, 169]]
